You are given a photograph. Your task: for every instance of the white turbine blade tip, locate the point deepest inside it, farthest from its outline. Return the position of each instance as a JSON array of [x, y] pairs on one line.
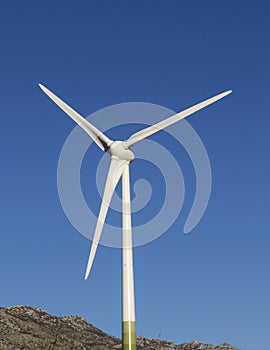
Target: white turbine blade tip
[[89, 265], [87, 272], [43, 88], [227, 93]]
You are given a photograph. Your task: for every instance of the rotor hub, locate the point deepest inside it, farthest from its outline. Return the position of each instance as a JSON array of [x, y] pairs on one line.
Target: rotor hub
[[120, 150]]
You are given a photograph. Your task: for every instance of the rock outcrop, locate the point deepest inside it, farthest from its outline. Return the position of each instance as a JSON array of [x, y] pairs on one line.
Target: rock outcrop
[[26, 328]]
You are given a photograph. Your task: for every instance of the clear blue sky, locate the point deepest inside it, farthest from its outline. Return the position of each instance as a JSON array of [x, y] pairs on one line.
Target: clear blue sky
[[212, 285]]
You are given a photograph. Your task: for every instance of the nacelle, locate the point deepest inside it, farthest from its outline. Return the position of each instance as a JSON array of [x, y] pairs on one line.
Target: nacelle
[[120, 150]]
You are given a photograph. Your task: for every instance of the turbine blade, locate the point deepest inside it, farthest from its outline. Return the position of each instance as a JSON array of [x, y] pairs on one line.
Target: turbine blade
[[113, 177], [142, 134], [100, 139]]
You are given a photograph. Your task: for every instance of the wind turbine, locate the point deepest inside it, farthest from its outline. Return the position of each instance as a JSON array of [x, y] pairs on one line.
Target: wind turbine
[[121, 157]]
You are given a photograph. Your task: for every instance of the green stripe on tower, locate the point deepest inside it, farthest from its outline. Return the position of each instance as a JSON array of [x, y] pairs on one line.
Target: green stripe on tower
[[128, 335]]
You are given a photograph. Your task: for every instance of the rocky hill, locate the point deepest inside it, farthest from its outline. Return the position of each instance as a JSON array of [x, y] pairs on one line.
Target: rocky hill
[[26, 328]]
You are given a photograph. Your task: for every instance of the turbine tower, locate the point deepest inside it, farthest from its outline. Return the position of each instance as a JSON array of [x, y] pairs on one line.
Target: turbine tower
[[121, 157]]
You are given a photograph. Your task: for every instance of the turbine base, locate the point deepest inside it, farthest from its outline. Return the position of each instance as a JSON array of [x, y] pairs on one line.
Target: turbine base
[[128, 335]]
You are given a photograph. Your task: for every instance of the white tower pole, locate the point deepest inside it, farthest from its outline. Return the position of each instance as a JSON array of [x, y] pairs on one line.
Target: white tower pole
[[128, 300]]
